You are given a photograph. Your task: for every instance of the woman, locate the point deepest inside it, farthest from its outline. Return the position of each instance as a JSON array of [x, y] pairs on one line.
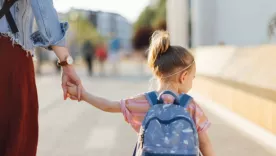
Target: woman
[[18, 94]]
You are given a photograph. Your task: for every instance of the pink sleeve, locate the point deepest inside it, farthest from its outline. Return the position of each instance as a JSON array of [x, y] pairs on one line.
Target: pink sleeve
[[200, 119], [133, 118]]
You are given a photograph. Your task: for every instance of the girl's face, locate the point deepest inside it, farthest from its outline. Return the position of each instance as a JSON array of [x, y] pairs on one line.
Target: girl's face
[[186, 80]]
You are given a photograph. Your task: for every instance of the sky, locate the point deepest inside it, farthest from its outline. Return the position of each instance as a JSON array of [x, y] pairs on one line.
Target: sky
[[130, 9]]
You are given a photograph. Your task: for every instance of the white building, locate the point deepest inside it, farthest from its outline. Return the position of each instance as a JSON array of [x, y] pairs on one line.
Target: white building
[[108, 23], [235, 22], [124, 31], [104, 23], [111, 23]]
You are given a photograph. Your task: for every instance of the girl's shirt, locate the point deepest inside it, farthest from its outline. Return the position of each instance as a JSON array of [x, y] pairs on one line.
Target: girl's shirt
[[141, 105]]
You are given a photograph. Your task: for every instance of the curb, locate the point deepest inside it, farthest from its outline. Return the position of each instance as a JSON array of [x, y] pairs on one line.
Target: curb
[[255, 132]]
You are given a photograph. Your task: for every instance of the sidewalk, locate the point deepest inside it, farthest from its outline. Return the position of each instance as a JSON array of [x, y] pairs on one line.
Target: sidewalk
[[229, 137]]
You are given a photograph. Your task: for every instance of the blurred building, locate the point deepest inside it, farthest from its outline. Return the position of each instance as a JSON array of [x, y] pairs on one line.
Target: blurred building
[[112, 23], [108, 23], [236, 22]]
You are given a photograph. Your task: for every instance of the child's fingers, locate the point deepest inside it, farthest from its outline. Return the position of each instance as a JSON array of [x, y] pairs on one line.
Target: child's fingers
[[73, 97], [70, 84], [80, 88]]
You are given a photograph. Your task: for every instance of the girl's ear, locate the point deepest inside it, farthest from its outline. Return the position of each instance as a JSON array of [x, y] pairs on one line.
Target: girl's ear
[[183, 76]]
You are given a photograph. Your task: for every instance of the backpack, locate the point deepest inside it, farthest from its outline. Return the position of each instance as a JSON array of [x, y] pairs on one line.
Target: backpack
[[167, 129], [5, 11]]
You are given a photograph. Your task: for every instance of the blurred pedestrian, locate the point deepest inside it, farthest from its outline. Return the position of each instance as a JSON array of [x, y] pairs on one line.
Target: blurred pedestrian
[[88, 55], [101, 53], [114, 52]]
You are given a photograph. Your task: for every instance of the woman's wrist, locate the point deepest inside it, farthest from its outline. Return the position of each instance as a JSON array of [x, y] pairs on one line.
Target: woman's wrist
[[61, 52], [67, 67]]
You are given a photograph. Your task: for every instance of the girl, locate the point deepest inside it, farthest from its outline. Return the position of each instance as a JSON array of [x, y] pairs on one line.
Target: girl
[[175, 70]]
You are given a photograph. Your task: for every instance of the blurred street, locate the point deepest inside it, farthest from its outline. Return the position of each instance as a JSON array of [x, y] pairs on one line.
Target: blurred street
[[226, 48], [69, 128]]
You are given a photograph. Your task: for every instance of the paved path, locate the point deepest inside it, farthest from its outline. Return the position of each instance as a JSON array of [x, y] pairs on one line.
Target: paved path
[[68, 128]]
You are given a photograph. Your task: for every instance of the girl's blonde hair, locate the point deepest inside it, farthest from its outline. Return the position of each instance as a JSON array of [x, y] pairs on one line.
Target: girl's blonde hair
[[164, 59]]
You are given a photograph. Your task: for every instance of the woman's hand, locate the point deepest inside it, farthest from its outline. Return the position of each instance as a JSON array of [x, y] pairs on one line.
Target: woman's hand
[[72, 90], [69, 76], [68, 72]]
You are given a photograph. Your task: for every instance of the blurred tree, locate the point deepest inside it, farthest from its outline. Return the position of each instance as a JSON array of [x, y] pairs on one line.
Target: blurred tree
[[160, 15], [145, 18], [152, 16], [141, 38], [162, 25], [150, 19]]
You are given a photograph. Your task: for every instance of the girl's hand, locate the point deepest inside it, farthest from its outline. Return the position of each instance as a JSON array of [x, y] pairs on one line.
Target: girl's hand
[[72, 90]]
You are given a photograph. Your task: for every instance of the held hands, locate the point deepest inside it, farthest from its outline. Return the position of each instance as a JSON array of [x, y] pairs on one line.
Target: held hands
[[68, 72], [69, 76], [72, 90]]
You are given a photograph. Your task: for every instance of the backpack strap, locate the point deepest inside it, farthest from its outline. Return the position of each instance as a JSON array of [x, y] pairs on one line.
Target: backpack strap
[[135, 149], [6, 11], [176, 99], [151, 97], [184, 100]]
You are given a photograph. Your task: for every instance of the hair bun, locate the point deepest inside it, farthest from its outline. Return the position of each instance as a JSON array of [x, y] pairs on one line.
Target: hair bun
[[160, 41]]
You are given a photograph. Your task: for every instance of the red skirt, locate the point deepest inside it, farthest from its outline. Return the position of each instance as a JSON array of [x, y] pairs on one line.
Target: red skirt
[[18, 101]]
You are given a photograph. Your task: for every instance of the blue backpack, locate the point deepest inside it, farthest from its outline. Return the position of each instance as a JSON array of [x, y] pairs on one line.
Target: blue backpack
[[167, 129]]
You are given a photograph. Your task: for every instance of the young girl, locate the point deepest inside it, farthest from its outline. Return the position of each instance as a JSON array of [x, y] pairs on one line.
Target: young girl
[[174, 68]]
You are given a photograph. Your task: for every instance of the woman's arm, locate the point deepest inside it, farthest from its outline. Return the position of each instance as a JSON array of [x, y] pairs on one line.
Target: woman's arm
[[61, 52], [205, 144], [51, 34]]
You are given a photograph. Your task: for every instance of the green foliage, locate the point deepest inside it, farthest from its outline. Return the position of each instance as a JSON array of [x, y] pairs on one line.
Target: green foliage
[[145, 18], [150, 19], [151, 16], [160, 14]]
